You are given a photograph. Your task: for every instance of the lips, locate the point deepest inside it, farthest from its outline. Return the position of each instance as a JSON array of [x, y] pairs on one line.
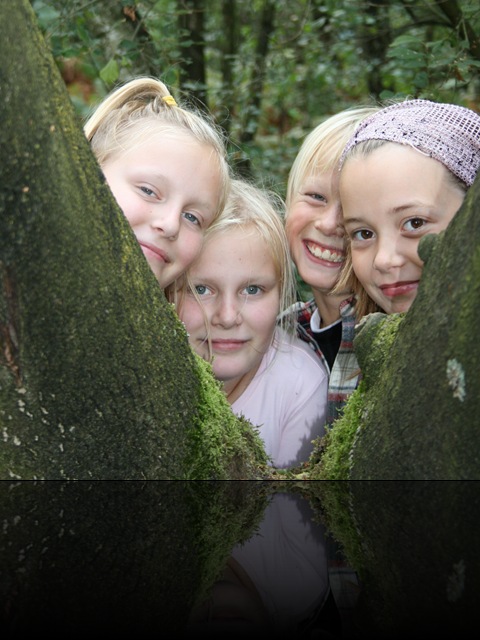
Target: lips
[[326, 254], [151, 250], [227, 345], [399, 288]]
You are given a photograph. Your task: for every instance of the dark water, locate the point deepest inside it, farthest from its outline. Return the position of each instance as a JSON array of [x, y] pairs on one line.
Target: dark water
[[240, 559]]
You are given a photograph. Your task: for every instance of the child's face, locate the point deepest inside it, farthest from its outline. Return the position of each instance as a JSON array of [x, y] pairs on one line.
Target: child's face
[[314, 231], [392, 198], [168, 188], [237, 283]]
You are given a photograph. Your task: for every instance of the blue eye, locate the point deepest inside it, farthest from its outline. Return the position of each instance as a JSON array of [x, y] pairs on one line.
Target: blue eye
[[201, 289], [252, 289], [191, 217]]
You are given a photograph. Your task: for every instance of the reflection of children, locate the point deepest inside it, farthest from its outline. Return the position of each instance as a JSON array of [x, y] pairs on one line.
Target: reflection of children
[[276, 583], [287, 561], [236, 289], [404, 174], [316, 238], [166, 167]]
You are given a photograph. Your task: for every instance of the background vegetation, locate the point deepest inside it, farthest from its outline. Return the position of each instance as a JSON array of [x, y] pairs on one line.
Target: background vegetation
[[269, 70]]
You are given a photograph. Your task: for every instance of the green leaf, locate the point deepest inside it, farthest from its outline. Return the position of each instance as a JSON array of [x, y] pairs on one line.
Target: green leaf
[[109, 73]]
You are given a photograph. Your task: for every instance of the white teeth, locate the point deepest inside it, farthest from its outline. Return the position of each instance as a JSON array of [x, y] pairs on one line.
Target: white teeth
[[325, 255]]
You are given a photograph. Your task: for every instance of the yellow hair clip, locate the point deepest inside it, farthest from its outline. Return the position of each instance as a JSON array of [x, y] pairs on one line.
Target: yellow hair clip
[[170, 100]]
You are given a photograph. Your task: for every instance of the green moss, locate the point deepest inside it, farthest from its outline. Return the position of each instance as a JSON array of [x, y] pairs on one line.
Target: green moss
[[332, 455], [332, 504], [221, 446], [334, 462], [374, 338]]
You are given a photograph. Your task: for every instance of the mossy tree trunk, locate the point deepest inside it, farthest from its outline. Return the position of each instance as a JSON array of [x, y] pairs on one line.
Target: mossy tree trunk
[[97, 379]]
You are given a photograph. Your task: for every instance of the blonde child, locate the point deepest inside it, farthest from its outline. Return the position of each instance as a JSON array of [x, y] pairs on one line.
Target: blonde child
[[317, 246], [166, 166], [230, 302]]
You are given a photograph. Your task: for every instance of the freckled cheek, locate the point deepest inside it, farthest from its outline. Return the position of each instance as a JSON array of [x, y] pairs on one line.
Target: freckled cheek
[[265, 320], [265, 334]]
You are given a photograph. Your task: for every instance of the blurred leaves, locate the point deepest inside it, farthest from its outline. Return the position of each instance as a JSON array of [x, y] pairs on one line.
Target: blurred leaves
[[323, 56]]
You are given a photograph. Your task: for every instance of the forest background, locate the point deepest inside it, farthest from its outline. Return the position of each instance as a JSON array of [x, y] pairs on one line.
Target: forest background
[[269, 70]]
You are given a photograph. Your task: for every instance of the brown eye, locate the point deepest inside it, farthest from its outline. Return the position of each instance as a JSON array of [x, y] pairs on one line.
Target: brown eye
[[414, 224], [417, 223], [362, 234]]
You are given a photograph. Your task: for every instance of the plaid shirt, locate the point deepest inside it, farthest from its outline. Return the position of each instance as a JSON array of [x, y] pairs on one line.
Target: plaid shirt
[[345, 374]]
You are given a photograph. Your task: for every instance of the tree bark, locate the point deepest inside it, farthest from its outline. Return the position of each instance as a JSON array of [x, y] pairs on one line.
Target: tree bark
[[191, 20], [97, 380]]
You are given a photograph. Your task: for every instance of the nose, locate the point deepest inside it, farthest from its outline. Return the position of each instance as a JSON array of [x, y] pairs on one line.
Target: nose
[[166, 220], [330, 221], [227, 312], [388, 255]]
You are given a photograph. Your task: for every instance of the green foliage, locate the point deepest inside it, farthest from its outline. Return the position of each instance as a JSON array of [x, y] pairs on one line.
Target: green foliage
[[440, 70], [322, 57]]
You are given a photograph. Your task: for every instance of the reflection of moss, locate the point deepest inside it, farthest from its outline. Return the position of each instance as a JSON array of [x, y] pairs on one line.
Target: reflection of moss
[[412, 583], [235, 510], [118, 557], [332, 504]]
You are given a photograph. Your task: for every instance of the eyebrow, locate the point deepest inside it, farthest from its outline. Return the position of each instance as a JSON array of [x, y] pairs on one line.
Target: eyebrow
[[400, 209]]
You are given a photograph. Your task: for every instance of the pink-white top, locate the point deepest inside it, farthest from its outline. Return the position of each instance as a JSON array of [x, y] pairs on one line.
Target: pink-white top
[[287, 399]]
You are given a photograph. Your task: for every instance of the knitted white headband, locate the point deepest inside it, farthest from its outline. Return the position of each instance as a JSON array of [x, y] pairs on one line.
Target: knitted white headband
[[446, 132]]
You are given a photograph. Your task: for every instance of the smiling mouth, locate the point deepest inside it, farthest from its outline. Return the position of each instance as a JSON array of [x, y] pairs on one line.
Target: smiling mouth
[[325, 254], [399, 288], [152, 249]]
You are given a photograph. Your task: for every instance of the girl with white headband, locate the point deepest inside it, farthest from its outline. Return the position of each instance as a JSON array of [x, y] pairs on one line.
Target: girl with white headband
[[404, 174]]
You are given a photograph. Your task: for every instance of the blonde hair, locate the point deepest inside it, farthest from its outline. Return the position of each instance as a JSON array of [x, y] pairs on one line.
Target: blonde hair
[[130, 112], [322, 148], [261, 212]]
